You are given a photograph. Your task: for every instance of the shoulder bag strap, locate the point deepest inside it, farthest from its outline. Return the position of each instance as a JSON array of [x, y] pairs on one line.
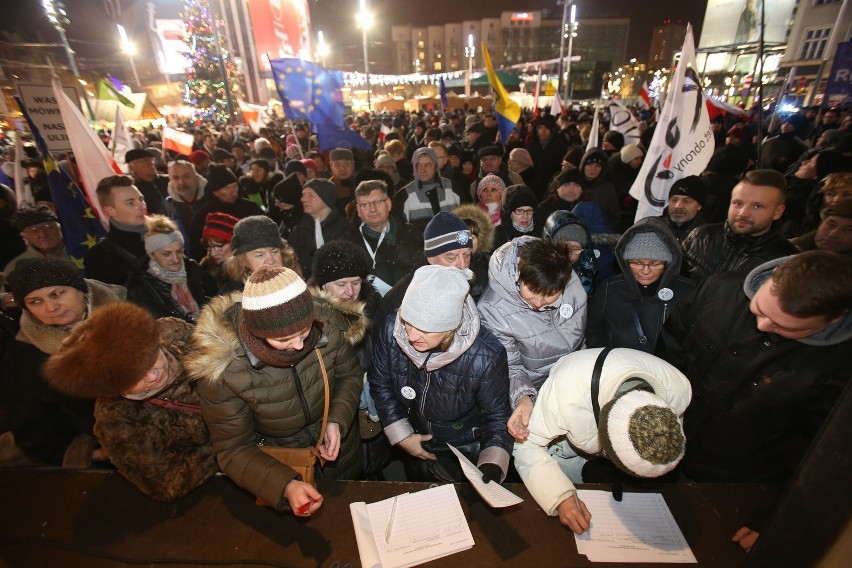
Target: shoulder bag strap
[[596, 383], [327, 398]]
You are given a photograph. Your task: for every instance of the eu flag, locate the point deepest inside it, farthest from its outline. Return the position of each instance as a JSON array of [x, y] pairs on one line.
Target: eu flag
[[81, 228], [308, 91]]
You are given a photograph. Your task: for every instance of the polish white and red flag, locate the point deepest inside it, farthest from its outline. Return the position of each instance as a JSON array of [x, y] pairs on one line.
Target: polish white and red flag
[[177, 141], [644, 98]]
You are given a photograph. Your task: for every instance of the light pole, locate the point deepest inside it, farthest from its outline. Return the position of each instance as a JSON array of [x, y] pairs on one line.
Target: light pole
[[365, 20], [322, 48], [572, 30], [55, 11], [130, 49], [562, 30], [470, 53]]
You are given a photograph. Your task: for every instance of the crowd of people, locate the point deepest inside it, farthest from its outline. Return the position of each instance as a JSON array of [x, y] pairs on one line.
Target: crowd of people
[[496, 296]]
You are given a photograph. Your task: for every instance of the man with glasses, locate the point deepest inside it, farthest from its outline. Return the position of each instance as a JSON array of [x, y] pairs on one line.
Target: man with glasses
[[40, 230], [395, 247], [536, 307]]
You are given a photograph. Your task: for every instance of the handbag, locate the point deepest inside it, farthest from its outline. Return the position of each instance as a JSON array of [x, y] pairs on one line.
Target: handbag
[[303, 460]]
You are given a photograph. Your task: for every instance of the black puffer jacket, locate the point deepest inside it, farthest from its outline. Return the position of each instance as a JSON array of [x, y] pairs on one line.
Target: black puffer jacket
[[620, 302], [715, 248], [459, 394], [146, 290]]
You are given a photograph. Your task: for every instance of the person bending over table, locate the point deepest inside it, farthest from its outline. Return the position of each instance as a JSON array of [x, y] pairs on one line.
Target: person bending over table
[[638, 427]]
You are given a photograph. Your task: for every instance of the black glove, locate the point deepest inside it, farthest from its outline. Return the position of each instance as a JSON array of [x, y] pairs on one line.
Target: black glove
[[602, 470], [491, 472]]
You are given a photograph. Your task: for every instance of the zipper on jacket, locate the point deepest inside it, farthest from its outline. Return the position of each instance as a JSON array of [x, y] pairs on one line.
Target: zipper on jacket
[[305, 410], [425, 390]]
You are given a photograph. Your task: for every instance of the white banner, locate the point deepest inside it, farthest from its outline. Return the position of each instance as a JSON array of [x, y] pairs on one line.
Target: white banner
[[622, 120], [683, 141]]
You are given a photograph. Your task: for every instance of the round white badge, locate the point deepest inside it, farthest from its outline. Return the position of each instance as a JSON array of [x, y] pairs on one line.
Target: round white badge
[[597, 253], [566, 311], [665, 294], [408, 393]]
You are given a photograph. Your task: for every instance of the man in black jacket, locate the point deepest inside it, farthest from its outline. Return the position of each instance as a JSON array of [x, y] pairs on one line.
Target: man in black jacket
[[767, 354], [113, 257], [153, 186], [748, 238]]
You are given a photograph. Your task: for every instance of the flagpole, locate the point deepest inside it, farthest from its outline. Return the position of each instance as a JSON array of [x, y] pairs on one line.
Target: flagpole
[[760, 77]]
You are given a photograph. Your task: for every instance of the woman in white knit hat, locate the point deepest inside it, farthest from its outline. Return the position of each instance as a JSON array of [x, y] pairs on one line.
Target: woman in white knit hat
[[438, 377]]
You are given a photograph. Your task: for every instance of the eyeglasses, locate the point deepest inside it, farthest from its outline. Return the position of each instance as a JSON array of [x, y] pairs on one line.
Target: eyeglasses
[[41, 228], [371, 204], [653, 265], [528, 211], [217, 247]]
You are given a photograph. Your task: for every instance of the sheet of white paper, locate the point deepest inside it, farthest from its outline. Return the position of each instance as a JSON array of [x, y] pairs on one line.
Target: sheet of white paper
[[428, 524], [494, 494], [640, 528], [364, 535]]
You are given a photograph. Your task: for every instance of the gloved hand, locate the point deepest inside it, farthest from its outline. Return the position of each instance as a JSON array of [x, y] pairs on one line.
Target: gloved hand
[[602, 470], [490, 472]]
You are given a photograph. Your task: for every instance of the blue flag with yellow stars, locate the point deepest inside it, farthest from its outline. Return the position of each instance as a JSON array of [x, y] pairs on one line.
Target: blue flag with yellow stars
[[310, 92], [81, 228]]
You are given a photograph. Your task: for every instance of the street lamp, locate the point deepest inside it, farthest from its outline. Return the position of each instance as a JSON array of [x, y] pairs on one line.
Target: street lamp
[[365, 20], [130, 49], [470, 53], [322, 48], [572, 31], [55, 11]]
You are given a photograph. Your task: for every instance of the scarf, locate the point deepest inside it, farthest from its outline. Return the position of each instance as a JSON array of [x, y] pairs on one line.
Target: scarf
[[493, 211], [180, 289], [274, 357], [523, 230], [140, 229], [374, 236]]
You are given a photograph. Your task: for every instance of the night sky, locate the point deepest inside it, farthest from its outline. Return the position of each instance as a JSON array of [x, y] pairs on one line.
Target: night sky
[[95, 43]]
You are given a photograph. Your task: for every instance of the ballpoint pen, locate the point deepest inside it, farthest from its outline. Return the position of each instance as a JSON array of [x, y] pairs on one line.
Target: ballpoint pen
[[303, 510], [390, 522]]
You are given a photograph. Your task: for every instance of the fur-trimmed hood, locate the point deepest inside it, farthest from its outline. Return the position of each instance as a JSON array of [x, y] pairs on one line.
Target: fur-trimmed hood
[[484, 226], [49, 338], [215, 342]]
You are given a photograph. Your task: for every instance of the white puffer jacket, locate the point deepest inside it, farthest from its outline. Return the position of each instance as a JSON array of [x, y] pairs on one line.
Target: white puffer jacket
[[564, 408]]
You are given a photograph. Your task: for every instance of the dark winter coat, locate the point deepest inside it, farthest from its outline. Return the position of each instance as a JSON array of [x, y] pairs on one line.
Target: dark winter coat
[[43, 420], [159, 445], [146, 290], [600, 190], [335, 227], [758, 398], [154, 192], [547, 159], [400, 252], [245, 402], [680, 231], [460, 395], [620, 303], [715, 248], [114, 258]]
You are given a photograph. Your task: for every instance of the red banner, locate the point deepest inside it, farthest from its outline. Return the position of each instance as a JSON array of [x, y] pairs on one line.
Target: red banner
[[282, 28]]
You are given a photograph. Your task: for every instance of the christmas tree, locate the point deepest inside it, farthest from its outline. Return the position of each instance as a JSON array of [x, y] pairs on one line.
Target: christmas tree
[[204, 88]]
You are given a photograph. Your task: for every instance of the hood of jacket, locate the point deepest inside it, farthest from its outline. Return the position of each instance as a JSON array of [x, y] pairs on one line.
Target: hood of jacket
[[49, 338], [463, 338], [659, 228], [425, 151], [484, 226], [216, 341], [601, 155], [834, 333]]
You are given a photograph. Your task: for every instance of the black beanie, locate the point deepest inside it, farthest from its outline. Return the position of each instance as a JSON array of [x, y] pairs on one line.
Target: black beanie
[[288, 190], [568, 176], [519, 196], [35, 273], [340, 259], [255, 232], [295, 166], [218, 176]]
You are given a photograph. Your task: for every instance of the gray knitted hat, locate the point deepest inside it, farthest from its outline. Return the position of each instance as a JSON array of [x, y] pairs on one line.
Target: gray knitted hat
[[257, 231], [326, 190], [647, 246], [572, 232], [641, 434], [435, 298]]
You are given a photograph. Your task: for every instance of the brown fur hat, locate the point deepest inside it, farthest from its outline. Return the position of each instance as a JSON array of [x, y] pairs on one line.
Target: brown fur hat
[[483, 228], [106, 354]]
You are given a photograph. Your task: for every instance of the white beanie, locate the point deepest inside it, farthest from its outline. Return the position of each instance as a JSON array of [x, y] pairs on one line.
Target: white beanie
[[435, 298]]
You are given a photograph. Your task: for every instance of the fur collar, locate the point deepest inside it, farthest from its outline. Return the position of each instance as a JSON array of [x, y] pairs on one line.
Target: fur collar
[[484, 225], [49, 338], [216, 342]]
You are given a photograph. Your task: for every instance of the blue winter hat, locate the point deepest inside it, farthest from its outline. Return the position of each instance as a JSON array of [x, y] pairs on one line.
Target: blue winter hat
[[446, 232]]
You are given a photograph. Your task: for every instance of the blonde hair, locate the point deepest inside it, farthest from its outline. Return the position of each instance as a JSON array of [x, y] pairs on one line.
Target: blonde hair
[[159, 224]]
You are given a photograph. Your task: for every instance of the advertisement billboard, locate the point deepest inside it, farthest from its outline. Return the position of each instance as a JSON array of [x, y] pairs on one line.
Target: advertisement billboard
[[282, 29], [171, 49], [732, 23]]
